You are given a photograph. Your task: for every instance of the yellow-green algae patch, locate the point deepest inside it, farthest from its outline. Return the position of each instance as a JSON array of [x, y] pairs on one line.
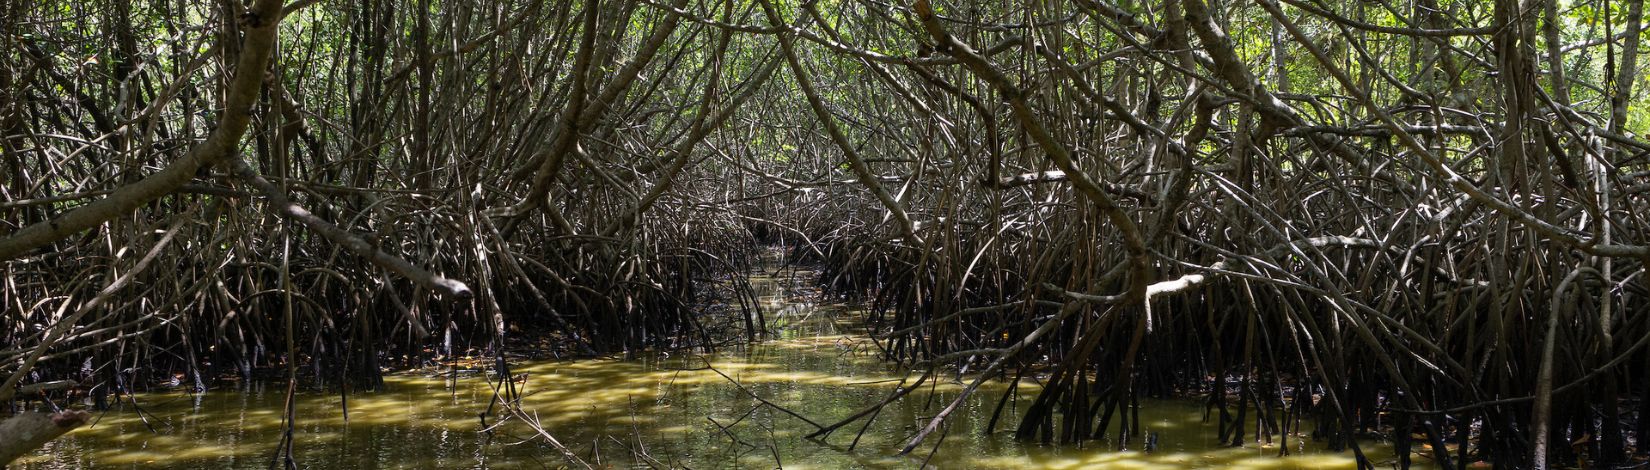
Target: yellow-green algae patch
[[672, 408]]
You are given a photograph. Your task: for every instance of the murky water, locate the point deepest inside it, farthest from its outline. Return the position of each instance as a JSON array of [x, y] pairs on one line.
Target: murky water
[[664, 410]]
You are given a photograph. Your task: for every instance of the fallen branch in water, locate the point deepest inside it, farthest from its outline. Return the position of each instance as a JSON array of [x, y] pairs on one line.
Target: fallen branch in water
[[764, 401], [899, 391], [25, 432]]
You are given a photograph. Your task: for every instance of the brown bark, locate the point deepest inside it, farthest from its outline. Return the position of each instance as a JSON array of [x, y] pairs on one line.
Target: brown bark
[[23, 433], [280, 204], [259, 24]]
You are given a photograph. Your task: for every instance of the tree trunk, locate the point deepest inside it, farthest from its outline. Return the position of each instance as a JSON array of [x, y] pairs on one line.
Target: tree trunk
[[26, 432]]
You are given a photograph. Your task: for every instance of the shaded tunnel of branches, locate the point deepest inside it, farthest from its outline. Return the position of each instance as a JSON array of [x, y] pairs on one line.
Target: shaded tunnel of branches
[[1417, 220]]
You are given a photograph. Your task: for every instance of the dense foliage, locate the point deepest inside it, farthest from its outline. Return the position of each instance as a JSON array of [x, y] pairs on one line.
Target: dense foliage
[[1422, 218]]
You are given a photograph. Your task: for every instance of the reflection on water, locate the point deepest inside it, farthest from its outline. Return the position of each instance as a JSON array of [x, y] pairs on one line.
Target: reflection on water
[[669, 408]]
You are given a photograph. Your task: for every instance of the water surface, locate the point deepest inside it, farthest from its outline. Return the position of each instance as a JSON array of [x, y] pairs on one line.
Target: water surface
[[670, 410]]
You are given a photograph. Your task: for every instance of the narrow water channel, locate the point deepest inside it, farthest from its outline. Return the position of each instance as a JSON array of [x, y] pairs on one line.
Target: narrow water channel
[[667, 409]]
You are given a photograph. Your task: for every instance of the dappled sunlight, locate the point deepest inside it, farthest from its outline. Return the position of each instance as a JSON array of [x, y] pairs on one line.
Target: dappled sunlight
[[673, 405], [1232, 458]]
